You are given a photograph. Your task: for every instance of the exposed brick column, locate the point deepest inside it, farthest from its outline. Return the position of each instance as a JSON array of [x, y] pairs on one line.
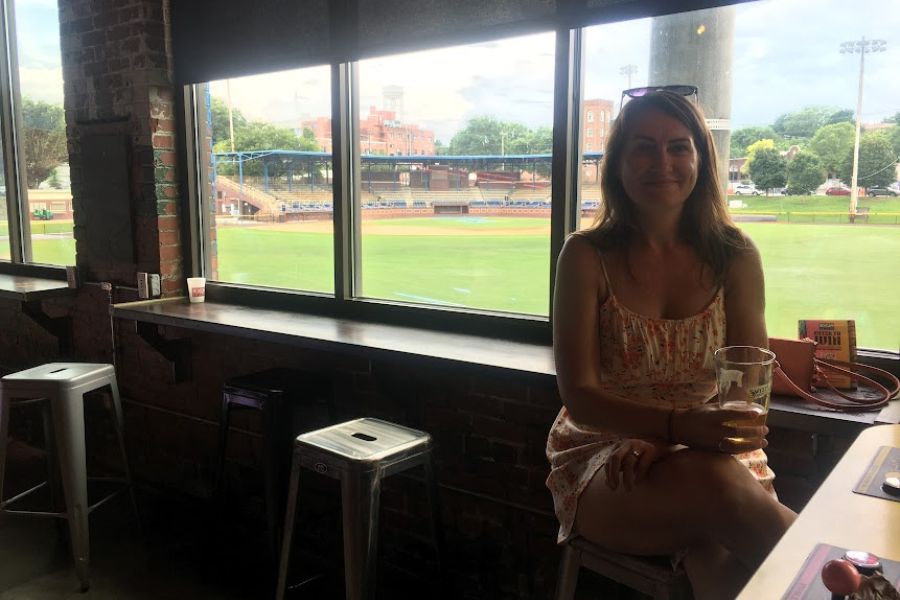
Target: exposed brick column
[[117, 72]]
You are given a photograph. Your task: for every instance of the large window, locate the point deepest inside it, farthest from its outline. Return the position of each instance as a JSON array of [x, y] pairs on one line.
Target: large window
[[41, 159], [269, 191], [444, 174], [783, 116], [456, 156]]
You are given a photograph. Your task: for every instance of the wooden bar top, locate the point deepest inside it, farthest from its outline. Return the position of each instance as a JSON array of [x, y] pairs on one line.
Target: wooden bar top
[[27, 288], [330, 333], [835, 515]]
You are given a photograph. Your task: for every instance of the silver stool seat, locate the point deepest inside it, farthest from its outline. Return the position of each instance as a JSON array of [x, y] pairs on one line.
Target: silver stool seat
[[650, 575], [60, 389], [360, 453]]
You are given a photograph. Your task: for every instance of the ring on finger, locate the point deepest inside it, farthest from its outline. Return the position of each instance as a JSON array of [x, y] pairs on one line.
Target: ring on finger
[[636, 453], [721, 445]]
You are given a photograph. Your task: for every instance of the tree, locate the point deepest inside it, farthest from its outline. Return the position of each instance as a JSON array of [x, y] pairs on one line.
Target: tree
[[43, 139], [219, 111], [803, 123], [895, 118], [752, 149], [745, 136], [768, 169], [877, 161], [804, 173], [845, 115], [831, 144], [259, 135], [487, 135], [893, 137]]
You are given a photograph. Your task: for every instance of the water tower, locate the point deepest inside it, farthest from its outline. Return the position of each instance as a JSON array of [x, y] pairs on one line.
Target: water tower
[[393, 100]]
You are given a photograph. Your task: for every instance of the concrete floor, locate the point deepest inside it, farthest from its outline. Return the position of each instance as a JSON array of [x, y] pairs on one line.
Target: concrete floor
[[181, 551]]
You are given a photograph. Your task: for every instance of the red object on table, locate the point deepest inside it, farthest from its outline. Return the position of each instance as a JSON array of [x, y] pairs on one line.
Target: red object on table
[[840, 577]]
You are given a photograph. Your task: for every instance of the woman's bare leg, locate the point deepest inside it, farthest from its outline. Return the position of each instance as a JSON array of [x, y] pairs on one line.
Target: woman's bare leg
[[689, 499], [714, 572]]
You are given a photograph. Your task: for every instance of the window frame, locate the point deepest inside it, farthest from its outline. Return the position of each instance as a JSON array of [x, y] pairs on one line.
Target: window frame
[[569, 65], [17, 210], [346, 219]]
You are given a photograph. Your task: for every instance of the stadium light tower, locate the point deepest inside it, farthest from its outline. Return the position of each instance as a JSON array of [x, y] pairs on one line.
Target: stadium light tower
[[861, 47], [628, 71]]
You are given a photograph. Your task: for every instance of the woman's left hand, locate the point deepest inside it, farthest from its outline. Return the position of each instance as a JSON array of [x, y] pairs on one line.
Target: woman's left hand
[[631, 461]]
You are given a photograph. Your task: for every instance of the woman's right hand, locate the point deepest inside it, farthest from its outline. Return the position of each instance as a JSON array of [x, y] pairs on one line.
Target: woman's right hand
[[708, 427]]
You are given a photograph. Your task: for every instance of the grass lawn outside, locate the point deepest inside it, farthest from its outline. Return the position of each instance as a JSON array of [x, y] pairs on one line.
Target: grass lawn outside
[[812, 270], [819, 209]]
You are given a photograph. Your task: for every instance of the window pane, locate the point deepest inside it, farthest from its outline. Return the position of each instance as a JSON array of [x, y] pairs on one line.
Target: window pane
[[43, 137], [821, 261], [270, 198], [5, 252], [455, 175]]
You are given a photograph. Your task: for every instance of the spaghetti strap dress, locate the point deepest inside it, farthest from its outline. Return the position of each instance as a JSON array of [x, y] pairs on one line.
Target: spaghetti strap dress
[[657, 362]]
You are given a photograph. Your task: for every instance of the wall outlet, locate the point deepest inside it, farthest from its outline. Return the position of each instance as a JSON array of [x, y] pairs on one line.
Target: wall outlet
[[143, 285], [154, 285]]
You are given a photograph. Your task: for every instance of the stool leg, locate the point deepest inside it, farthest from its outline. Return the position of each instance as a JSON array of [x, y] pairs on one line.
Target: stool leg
[[568, 574], [52, 457], [287, 537], [360, 496], [4, 438], [68, 421], [273, 423], [223, 447], [119, 422], [437, 524]]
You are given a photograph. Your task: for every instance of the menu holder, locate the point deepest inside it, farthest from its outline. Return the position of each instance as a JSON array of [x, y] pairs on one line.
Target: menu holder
[[886, 463], [807, 585]]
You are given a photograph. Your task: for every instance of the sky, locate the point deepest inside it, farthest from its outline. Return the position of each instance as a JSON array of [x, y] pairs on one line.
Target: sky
[[786, 55]]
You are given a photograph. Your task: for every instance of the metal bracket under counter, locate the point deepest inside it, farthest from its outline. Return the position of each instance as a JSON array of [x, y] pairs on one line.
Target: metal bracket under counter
[[30, 291], [177, 351]]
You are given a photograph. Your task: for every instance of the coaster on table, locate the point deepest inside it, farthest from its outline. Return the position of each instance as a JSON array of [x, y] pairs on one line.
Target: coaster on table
[[885, 464]]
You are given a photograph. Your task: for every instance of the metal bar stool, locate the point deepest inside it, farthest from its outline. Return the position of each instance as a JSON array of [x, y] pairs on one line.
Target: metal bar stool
[[60, 388], [650, 575], [360, 453], [275, 393]]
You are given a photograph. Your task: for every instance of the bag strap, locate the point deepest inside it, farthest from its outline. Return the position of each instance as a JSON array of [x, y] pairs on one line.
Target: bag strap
[[852, 370], [857, 403]]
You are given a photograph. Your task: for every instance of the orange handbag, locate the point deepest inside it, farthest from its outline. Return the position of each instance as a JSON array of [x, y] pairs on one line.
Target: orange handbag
[[798, 371]]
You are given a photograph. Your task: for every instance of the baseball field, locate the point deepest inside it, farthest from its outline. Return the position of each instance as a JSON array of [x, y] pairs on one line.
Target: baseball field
[[501, 263]]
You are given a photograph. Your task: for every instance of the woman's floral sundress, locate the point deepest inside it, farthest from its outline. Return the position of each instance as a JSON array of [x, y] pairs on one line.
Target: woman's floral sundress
[[660, 362]]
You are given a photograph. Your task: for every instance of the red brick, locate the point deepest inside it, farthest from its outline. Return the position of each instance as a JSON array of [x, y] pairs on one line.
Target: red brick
[[168, 238], [170, 252], [163, 141]]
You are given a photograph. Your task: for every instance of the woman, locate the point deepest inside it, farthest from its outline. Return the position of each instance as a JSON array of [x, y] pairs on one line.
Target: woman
[[642, 459]]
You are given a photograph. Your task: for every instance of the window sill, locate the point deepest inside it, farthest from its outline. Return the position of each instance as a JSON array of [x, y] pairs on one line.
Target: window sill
[[341, 334], [533, 360]]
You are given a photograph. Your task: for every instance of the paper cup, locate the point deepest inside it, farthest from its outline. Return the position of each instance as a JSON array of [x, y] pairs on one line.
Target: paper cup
[[196, 289]]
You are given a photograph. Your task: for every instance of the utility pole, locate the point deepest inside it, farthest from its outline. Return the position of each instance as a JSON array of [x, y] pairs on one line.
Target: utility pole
[[861, 47], [628, 70], [230, 116]]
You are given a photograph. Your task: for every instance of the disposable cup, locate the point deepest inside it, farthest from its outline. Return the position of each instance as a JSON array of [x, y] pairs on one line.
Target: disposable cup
[[196, 289]]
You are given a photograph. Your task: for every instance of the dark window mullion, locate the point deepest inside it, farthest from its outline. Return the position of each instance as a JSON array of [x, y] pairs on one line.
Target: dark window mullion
[[565, 167]]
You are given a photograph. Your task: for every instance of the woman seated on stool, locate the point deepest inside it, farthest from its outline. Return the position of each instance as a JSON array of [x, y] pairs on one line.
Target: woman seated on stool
[[643, 460]]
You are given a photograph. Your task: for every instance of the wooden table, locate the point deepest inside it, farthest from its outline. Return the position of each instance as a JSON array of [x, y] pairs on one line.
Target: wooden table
[[835, 515]]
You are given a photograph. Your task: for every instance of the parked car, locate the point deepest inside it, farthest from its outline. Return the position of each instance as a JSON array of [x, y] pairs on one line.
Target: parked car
[[879, 190], [837, 191], [746, 189]]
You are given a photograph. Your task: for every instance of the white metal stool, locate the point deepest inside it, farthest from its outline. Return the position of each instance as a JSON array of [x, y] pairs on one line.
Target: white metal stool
[[360, 453], [650, 575], [60, 388]]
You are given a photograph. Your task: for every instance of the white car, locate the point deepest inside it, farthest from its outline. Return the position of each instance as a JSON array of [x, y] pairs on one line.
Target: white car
[[744, 189]]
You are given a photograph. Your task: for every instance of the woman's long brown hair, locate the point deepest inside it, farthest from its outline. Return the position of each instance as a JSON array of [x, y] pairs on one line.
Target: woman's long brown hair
[[705, 223]]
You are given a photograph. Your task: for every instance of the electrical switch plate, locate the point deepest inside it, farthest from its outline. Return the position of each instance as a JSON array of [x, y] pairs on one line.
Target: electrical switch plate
[[72, 277], [154, 285], [143, 285]]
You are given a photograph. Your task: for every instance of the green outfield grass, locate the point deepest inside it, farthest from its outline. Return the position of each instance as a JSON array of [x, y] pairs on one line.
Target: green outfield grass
[[812, 270], [819, 209]]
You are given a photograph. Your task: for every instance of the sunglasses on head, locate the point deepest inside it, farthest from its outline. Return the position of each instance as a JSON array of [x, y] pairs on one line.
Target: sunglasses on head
[[681, 90]]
